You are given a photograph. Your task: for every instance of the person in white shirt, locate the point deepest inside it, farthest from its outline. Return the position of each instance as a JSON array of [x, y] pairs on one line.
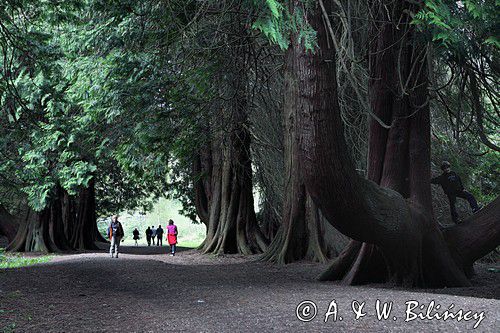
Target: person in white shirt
[[153, 234]]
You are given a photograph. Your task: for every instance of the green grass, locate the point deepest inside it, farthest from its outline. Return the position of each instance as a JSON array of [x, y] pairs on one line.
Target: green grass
[[17, 260], [190, 234]]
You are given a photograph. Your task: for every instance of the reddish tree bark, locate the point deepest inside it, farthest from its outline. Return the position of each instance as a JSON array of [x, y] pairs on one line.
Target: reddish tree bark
[[303, 231], [400, 224], [399, 156]]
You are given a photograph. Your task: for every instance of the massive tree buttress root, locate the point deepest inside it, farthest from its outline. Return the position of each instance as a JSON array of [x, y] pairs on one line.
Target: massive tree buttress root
[[67, 223], [43, 231]]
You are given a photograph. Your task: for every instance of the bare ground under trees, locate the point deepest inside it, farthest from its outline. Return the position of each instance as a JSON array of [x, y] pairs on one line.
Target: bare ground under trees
[[148, 291]]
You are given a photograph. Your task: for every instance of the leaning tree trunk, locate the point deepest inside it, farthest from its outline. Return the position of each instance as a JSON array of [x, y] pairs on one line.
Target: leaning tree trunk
[[398, 157], [302, 232], [403, 229], [8, 225], [43, 231], [476, 236], [232, 225]]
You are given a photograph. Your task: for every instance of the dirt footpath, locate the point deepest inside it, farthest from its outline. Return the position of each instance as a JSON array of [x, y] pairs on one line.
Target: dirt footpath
[[147, 291]]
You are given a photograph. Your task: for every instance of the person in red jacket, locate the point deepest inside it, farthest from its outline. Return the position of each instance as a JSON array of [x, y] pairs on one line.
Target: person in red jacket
[[172, 236]]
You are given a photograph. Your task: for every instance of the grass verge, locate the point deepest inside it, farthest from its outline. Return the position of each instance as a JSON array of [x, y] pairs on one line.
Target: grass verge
[[13, 260]]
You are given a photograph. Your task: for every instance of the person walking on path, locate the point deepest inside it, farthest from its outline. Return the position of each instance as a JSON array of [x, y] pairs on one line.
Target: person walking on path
[[172, 236], [453, 188], [148, 235], [136, 236], [159, 236], [153, 233], [115, 234]]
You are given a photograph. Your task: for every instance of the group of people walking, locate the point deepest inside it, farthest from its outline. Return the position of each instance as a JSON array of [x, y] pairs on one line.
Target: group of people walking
[[116, 233], [156, 234], [449, 181]]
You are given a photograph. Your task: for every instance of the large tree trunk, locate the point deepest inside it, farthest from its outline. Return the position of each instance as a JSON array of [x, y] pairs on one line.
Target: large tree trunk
[[81, 222], [303, 230], [43, 231], [67, 223], [407, 237], [8, 225], [232, 224], [227, 202], [398, 157]]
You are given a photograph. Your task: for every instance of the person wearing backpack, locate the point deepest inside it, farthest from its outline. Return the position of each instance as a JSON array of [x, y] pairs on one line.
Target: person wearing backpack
[[115, 235], [159, 236], [453, 188]]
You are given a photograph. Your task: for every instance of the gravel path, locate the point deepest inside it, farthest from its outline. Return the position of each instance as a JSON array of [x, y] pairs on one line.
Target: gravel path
[[147, 291]]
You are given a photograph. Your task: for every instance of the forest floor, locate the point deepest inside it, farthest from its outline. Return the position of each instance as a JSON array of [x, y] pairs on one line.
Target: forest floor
[[146, 290]]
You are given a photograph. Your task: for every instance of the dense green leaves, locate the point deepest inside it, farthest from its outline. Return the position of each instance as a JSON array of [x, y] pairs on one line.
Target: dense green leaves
[[278, 24], [464, 35], [125, 92], [463, 27]]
